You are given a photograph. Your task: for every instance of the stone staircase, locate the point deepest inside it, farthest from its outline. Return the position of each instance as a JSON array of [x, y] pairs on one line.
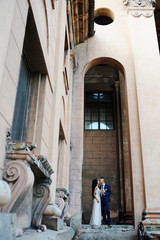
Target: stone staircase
[[113, 232]]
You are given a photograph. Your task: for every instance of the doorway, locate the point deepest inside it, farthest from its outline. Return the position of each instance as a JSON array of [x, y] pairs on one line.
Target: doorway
[[106, 146]]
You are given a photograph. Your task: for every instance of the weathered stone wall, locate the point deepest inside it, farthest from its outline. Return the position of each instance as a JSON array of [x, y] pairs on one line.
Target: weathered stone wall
[[54, 103], [100, 160], [110, 45]]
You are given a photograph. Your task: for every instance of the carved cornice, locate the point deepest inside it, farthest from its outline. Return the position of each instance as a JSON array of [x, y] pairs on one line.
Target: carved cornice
[[139, 3], [142, 12], [140, 7]]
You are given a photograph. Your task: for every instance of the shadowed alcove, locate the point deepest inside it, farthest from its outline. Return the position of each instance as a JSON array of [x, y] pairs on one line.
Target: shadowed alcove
[[106, 142]]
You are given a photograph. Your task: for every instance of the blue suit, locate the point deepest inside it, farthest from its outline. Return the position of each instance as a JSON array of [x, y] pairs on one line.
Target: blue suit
[[105, 200]]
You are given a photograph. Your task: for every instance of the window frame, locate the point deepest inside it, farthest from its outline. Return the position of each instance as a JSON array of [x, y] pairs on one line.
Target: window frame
[[18, 126], [99, 110]]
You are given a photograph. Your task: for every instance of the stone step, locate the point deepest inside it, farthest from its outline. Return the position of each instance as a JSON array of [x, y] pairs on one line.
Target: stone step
[[114, 232]]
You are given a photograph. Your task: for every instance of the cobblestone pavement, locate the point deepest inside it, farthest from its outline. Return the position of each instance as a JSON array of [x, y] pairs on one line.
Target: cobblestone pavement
[[114, 232]]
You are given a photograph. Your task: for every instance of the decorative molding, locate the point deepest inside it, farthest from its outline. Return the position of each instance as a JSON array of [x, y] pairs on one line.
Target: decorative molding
[[41, 198], [29, 177], [52, 2], [52, 210], [66, 82], [140, 7], [20, 179], [139, 3], [47, 23], [146, 13], [62, 197]]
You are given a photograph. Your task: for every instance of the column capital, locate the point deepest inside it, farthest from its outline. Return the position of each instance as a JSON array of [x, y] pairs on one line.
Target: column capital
[[139, 3], [140, 7]]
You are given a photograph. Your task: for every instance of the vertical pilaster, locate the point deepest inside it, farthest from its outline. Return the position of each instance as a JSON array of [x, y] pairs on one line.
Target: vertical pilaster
[[147, 76], [122, 199]]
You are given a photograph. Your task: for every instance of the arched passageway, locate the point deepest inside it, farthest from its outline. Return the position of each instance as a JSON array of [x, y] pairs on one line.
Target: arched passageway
[[106, 140]]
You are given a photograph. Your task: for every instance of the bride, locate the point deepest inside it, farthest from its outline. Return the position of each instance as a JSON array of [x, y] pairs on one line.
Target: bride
[[96, 209]]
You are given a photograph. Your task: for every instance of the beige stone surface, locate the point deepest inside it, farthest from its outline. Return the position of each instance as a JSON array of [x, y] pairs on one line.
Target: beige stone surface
[[5, 193], [6, 13], [148, 86], [130, 44]]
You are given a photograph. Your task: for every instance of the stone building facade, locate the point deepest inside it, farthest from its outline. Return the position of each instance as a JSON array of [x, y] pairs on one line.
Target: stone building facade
[[58, 60]]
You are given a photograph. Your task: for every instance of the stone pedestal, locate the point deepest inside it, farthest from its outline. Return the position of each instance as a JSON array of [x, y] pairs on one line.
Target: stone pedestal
[[51, 217], [7, 226], [53, 223]]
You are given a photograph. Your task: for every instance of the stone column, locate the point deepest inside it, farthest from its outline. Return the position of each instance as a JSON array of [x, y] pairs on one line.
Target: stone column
[[147, 76], [120, 154]]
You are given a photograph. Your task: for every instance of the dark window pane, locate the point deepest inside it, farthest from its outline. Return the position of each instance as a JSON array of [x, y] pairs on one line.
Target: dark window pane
[[87, 116], [20, 104], [99, 111], [95, 108], [95, 117], [102, 116], [110, 125], [87, 125]]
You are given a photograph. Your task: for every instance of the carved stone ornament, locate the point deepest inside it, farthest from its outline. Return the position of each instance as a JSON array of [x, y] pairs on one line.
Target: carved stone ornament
[[41, 198], [140, 7], [138, 13], [20, 178], [29, 177], [139, 3], [62, 197]]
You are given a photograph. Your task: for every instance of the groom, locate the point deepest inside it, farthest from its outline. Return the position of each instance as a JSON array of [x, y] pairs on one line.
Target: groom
[[105, 199]]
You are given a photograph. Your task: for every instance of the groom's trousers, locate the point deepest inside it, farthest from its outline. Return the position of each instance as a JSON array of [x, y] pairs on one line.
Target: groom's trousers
[[105, 206]]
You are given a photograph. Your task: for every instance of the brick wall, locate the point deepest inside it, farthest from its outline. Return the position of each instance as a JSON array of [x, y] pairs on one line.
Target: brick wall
[[100, 159]]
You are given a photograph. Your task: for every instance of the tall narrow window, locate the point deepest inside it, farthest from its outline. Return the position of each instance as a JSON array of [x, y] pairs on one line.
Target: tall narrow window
[[99, 111], [21, 102]]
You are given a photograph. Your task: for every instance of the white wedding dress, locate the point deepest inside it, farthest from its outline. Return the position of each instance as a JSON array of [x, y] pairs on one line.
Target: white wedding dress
[[96, 210]]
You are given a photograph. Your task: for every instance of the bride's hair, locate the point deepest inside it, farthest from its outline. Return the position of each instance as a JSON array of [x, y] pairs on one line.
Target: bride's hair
[[94, 184]]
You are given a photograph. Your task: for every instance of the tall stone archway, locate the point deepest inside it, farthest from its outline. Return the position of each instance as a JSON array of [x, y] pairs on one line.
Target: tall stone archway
[[112, 157], [106, 142]]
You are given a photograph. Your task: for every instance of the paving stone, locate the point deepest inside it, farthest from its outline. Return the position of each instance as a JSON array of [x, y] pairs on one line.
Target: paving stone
[[66, 234]]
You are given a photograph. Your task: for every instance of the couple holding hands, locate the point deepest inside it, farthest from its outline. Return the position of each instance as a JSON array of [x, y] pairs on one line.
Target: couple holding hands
[[101, 199]]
